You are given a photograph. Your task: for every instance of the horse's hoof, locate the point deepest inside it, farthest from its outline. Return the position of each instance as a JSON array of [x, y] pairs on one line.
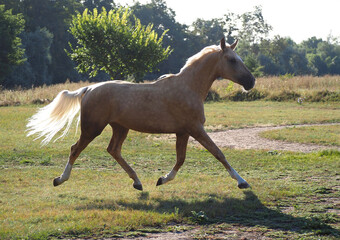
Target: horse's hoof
[[243, 185], [138, 187], [56, 181], [159, 182]]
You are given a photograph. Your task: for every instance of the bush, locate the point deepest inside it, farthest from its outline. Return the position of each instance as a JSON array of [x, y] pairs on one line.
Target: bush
[[324, 96], [212, 96], [285, 96], [252, 95]]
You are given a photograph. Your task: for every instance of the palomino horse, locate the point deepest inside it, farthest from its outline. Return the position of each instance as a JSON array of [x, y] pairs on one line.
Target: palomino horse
[[173, 104]]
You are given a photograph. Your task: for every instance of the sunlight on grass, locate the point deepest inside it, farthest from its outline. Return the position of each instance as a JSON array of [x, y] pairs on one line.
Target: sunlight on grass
[[323, 135], [261, 113]]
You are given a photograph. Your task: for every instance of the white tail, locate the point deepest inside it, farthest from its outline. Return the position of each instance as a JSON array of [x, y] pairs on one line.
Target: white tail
[[49, 120]]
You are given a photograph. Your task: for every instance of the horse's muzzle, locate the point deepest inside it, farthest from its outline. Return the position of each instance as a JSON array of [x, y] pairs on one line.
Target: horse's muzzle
[[249, 83]]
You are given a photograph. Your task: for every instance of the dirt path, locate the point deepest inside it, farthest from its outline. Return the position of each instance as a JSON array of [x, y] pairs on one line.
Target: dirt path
[[248, 138]]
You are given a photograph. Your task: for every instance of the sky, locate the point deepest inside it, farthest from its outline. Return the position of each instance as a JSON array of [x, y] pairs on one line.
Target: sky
[[298, 19]]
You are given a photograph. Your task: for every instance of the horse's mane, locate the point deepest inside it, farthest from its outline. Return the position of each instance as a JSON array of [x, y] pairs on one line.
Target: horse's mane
[[200, 55]]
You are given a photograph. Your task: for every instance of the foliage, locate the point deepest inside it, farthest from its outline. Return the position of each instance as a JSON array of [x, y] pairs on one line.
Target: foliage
[[11, 53], [323, 96], [252, 26], [212, 96], [99, 4], [108, 41], [208, 31], [54, 16], [254, 66], [34, 72], [285, 96], [178, 37]]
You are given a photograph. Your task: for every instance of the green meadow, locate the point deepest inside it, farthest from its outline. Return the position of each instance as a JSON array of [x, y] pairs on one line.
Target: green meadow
[[293, 195]]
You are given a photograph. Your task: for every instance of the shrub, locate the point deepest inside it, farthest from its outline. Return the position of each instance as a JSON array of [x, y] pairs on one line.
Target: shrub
[[324, 96], [284, 96], [252, 95], [212, 96]]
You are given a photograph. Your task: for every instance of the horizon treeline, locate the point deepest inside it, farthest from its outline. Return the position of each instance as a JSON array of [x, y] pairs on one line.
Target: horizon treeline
[[43, 36]]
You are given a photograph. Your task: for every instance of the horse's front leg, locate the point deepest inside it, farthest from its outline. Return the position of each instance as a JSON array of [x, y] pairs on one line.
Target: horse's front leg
[[203, 138], [181, 148]]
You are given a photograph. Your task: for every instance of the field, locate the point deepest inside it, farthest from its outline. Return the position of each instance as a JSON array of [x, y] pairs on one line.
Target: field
[[293, 195]]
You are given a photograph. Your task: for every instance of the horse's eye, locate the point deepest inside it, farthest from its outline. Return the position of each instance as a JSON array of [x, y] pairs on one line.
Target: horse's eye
[[232, 60]]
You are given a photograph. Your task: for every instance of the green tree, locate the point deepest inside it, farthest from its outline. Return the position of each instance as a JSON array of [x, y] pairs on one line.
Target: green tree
[[11, 53], [99, 4], [253, 26], [55, 16], [323, 56], [282, 55], [209, 31], [162, 17], [34, 72], [253, 65], [109, 41]]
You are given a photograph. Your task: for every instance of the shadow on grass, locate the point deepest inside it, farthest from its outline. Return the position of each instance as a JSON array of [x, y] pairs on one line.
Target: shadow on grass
[[247, 212]]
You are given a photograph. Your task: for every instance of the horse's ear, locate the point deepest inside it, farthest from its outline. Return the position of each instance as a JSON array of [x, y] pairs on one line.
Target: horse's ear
[[223, 46], [233, 46]]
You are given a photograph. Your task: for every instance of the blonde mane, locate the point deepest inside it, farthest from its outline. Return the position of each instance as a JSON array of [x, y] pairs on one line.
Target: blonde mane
[[199, 55]]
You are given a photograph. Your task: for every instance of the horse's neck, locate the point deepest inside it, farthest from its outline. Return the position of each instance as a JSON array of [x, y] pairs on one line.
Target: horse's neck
[[201, 75]]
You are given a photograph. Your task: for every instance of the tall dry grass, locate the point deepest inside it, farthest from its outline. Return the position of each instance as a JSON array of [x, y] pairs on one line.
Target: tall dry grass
[[299, 83], [43, 94], [303, 85]]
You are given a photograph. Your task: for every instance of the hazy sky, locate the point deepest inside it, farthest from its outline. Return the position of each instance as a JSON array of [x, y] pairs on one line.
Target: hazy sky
[[298, 19]]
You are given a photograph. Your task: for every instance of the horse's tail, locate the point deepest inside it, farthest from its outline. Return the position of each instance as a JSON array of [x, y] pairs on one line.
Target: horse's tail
[[49, 120]]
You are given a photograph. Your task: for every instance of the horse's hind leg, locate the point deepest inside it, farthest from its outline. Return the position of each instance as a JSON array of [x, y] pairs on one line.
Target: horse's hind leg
[[181, 147], [88, 132], [76, 149], [115, 147]]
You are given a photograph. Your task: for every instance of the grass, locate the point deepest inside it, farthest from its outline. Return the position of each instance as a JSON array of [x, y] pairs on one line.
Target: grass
[[222, 115], [293, 195], [322, 135]]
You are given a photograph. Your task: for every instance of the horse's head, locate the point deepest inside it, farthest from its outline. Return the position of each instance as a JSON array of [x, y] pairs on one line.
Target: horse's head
[[233, 68]]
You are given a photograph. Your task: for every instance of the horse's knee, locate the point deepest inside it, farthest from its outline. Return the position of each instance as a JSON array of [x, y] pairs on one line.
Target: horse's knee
[[114, 152]]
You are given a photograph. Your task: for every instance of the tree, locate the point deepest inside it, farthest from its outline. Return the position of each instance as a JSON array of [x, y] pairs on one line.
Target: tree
[[209, 31], [109, 41], [34, 72], [55, 16], [162, 17], [99, 4], [253, 26], [11, 53], [254, 66]]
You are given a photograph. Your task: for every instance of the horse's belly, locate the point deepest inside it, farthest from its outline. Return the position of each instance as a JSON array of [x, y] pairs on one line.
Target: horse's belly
[[151, 125]]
